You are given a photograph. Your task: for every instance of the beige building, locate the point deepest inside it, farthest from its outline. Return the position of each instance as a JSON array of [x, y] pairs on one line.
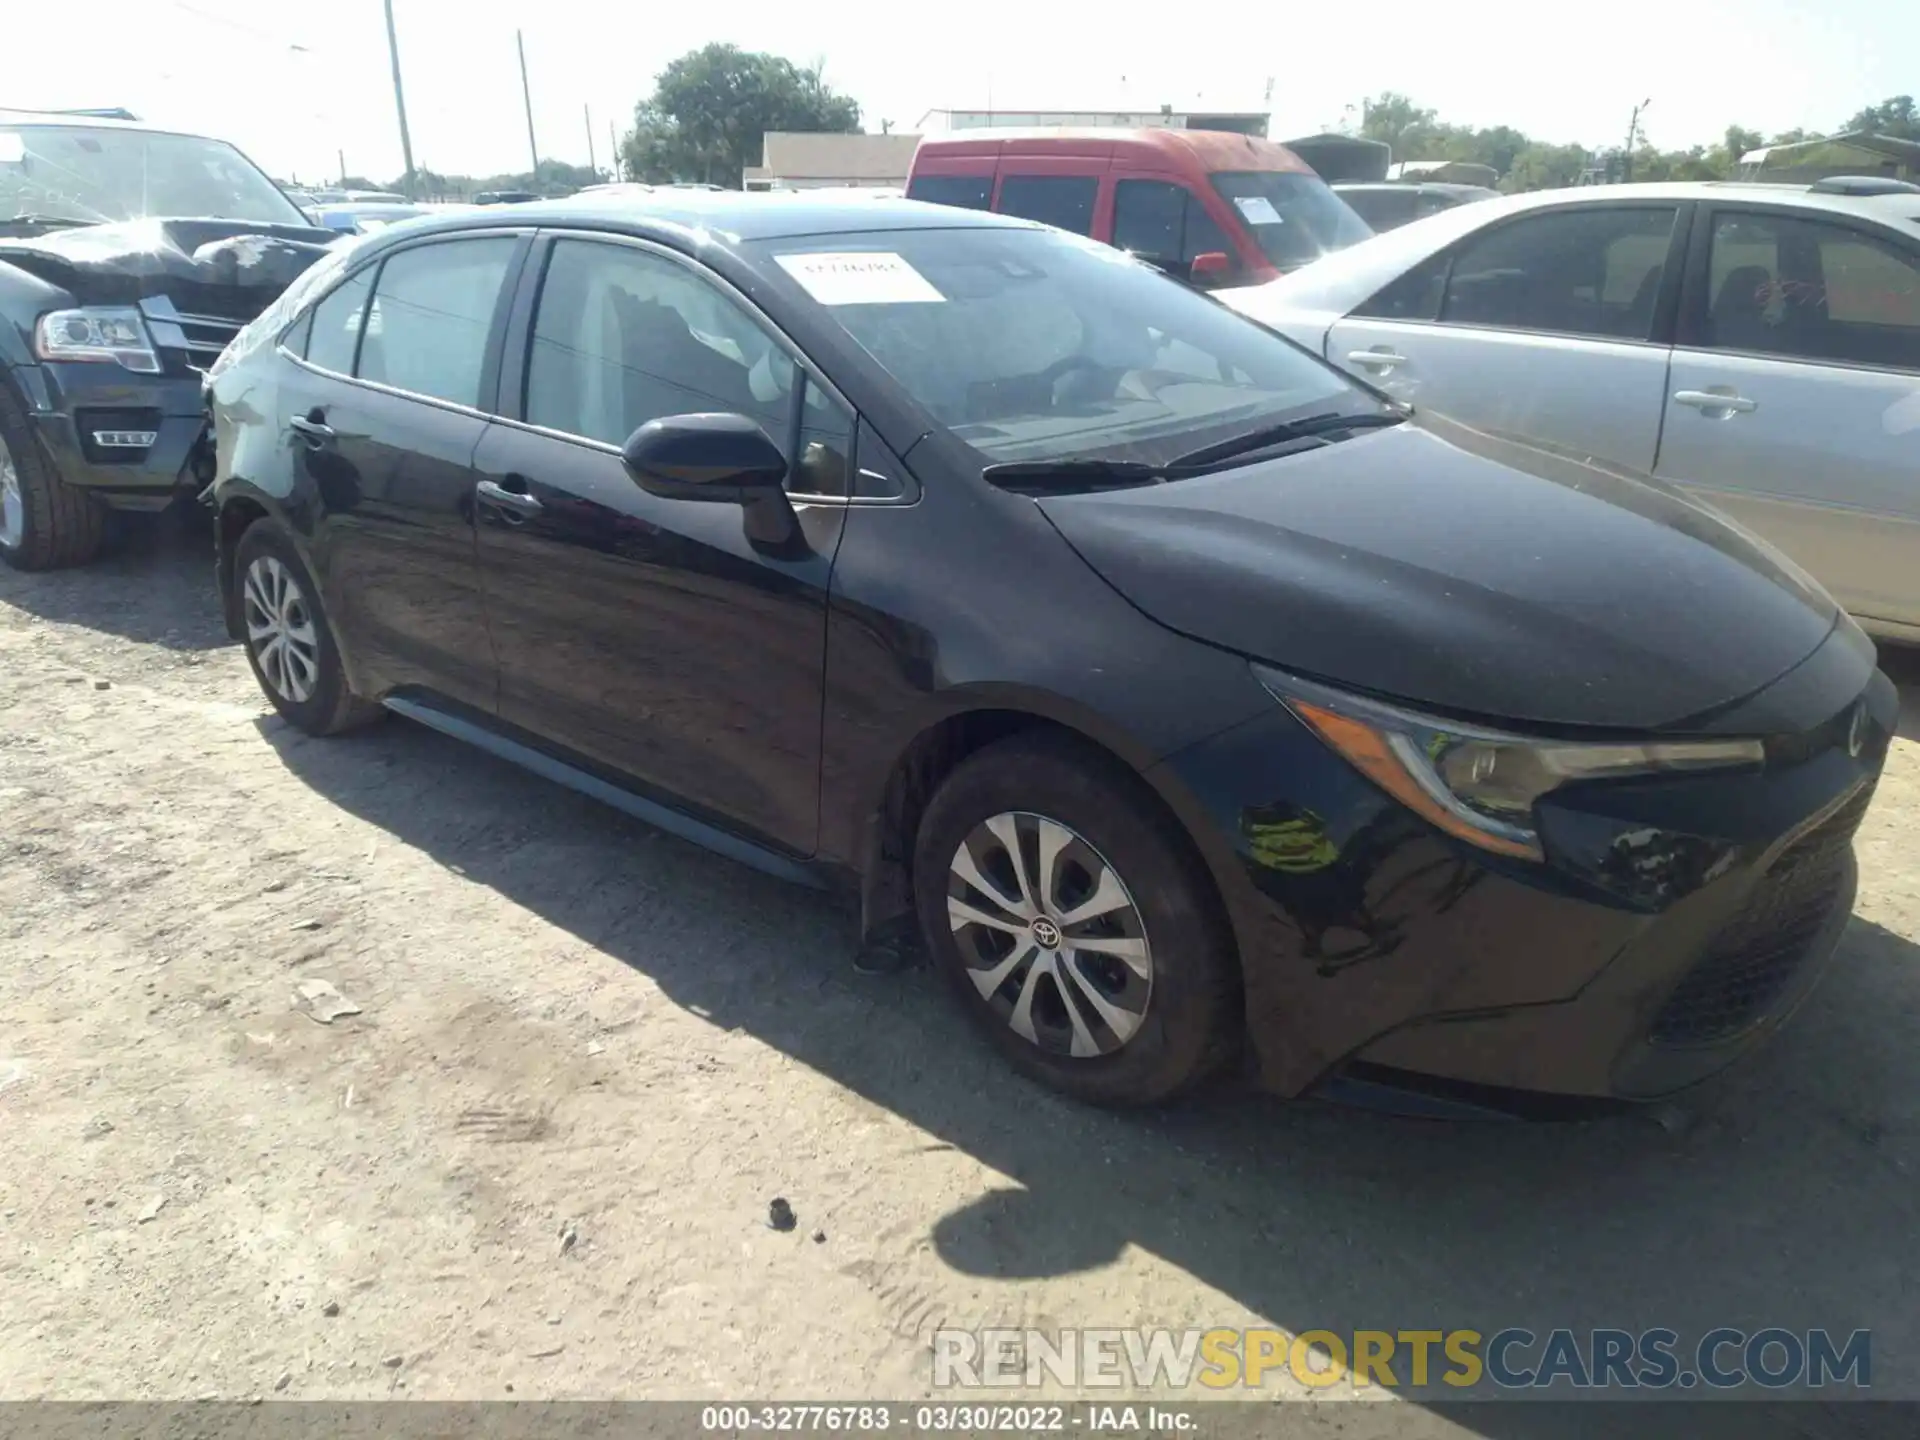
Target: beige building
[[794, 160]]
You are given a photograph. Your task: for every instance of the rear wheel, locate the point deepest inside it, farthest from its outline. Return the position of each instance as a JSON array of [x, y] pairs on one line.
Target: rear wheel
[[45, 523], [289, 642], [1076, 931]]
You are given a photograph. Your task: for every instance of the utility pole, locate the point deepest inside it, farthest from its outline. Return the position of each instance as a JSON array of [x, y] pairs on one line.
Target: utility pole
[[526, 95], [343, 165], [592, 165], [613, 149], [399, 105], [1633, 130]]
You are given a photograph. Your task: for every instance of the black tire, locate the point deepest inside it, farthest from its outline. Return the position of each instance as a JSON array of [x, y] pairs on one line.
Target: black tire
[[1190, 1025], [60, 524], [327, 707]]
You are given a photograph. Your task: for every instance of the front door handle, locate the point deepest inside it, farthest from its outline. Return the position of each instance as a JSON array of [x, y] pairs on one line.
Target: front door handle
[[513, 501], [1717, 403], [311, 428], [1381, 360]]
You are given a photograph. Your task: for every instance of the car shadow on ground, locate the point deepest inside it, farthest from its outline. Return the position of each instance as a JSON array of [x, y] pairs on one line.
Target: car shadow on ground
[[154, 584], [1782, 1195]]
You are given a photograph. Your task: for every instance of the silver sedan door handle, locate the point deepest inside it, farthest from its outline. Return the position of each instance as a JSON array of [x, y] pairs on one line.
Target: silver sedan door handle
[[516, 502], [1710, 402], [311, 428], [1382, 360]]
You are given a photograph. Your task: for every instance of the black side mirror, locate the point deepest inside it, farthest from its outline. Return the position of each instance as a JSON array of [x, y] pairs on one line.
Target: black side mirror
[[724, 458], [717, 457]]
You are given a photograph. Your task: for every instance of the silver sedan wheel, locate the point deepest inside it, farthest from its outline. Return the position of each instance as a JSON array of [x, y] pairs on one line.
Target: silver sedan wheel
[[13, 507], [1050, 935], [280, 630]]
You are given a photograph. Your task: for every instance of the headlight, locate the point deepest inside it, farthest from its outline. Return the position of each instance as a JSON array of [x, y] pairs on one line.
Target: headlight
[[97, 333], [1480, 785]]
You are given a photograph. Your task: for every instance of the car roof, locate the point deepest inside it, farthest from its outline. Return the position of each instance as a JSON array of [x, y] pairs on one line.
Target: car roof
[[1413, 187], [1212, 149], [1337, 282], [84, 122], [729, 216]]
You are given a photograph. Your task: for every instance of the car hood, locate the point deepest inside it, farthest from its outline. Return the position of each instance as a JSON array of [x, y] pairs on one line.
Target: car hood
[[230, 268], [1465, 572]]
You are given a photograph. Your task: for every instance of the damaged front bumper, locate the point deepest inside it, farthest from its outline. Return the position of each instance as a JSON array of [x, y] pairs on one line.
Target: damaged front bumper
[[135, 442]]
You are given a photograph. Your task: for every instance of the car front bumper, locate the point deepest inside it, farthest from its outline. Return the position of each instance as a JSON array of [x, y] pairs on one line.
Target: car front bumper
[[75, 405], [1676, 923]]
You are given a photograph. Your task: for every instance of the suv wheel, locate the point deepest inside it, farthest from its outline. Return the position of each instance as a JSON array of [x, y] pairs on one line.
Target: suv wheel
[[1080, 936], [289, 643], [45, 523]]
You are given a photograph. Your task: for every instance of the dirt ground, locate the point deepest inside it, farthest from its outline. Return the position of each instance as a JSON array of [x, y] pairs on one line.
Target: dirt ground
[[537, 1157]]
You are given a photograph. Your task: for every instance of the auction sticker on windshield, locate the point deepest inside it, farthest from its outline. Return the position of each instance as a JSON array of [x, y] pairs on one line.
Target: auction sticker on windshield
[[1258, 210], [860, 277]]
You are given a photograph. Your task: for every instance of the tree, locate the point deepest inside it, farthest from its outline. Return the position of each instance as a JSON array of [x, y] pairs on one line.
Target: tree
[[555, 177], [1405, 127], [1897, 117], [711, 108], [1545, 167], [1738, 141]]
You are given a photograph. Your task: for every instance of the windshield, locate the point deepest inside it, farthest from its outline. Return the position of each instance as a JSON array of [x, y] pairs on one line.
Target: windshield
[[1295, 217], [1036, 345], [96, 174]]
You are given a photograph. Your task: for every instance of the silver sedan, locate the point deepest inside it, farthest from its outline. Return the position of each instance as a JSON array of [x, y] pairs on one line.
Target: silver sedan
[[1756, 343]]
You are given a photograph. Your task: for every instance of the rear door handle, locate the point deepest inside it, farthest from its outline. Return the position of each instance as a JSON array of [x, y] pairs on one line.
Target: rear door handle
[[1706, 400], [514, 501], [1376, 359], [315, 432]]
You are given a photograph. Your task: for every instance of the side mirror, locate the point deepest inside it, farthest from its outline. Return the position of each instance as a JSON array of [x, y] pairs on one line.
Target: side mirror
[[1211, 267], [724, 458]]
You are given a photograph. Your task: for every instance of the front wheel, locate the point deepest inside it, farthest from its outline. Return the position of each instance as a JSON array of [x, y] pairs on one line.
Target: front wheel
[[45, 523], [1076, 930]]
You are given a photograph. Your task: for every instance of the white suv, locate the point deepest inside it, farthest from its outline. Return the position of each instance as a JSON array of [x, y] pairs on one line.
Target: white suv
[[1759, 343]]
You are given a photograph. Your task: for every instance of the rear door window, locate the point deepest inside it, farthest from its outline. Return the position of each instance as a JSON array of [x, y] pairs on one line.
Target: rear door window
[[335, 332], [427, 328], [1594, 270], [1810, 289], [969, 192], [1065, 201]]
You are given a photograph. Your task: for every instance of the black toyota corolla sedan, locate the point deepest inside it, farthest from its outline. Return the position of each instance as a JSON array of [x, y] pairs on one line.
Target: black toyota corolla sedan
[[1193, 701]]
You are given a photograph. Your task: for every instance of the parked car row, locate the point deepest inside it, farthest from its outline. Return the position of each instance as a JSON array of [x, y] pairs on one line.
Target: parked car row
[[1756, 344], [1190, 698]]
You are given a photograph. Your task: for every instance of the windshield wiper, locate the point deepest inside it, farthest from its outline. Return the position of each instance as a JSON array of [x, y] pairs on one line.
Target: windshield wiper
[[46, 222], [1075, 473], [1285, 430]]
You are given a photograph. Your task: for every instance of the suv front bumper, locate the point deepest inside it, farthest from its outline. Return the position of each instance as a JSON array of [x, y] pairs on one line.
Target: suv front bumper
[[133, 441]]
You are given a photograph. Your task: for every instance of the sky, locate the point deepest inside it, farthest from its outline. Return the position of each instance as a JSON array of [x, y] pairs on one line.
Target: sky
[[299, 86]]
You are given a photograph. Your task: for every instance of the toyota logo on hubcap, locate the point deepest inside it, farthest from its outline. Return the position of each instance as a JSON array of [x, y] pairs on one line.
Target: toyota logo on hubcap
[[1046, 934]]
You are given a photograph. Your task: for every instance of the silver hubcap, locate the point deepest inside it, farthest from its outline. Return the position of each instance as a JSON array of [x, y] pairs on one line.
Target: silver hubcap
[[1050, 935], [13, 510], [280, 630]]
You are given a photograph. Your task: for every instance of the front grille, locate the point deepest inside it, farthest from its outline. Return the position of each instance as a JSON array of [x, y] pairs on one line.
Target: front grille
[[206, 336], [194, 340], [1751, 961]]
